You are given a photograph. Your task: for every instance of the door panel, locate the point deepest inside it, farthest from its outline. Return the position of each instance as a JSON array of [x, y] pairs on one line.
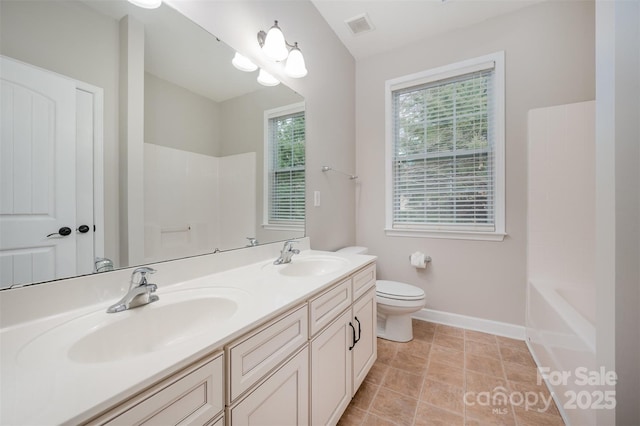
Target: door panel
[[37, 168], [85, 181]]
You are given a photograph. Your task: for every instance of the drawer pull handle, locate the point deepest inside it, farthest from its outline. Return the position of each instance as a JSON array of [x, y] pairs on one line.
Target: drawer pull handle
[[353, 329], [359, 332]]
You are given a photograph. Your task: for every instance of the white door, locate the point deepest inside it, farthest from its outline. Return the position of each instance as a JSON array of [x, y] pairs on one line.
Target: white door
[[38, 175]]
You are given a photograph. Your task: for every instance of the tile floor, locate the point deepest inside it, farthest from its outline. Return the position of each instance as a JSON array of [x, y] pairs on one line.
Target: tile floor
[[424, 382]]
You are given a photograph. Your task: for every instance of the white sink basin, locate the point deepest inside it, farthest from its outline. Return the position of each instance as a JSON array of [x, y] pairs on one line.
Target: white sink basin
[[311, 266], [100, 337]]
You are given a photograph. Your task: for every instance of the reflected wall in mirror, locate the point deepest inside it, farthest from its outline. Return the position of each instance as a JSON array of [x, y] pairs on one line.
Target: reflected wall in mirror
[[218, 162]]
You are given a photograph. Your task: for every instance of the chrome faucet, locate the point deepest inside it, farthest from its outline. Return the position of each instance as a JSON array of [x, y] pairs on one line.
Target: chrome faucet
[[139, 292], [252, 242], [286, 253]]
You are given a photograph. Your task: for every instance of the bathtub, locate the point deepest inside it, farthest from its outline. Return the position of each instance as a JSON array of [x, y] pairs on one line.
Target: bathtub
[[561, 334]]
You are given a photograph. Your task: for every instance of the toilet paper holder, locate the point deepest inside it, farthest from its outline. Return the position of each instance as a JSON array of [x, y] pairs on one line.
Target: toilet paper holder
[[427, 259], [417, 263]]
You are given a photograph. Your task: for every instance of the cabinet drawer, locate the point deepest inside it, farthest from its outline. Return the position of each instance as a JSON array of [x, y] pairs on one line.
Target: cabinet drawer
[[281, 399], [254, 356], [194, 399], [364, 280], [326, 307]]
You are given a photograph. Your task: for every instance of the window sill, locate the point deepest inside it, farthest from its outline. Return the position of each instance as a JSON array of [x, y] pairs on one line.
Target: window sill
[[450, 235], [273, 227]]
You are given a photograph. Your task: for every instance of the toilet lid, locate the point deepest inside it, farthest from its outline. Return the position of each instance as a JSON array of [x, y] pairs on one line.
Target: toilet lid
[[396, 290]]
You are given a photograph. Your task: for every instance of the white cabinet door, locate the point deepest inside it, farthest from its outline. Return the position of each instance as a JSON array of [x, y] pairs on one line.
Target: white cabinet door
[[365, 351], [331, 371], [281, 400]]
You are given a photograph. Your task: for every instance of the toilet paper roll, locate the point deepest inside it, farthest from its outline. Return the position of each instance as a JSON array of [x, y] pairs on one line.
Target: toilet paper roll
[[418, 260]]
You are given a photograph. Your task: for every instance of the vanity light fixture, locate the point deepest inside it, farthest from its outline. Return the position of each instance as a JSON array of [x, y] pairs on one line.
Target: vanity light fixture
[[243, 63], [295, 63], [267, 79], [146, 4], [275, 46], [273, 43]]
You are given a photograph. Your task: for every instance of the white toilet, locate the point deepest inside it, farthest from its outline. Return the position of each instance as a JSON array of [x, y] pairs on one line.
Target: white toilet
[[396, 302]]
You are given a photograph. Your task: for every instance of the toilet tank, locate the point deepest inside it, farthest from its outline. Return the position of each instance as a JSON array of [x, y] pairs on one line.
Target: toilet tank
[[353, 250]]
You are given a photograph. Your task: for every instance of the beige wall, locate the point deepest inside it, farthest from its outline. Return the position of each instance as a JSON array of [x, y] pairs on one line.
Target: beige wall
[[177, 118], [328, 90], [549, 54]]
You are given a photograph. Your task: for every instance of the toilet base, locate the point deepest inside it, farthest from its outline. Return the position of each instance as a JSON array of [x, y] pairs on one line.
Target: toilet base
[[397, 328]]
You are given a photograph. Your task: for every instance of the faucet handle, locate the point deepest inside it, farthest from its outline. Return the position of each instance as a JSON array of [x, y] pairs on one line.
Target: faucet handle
[[143, 271], [288, 246]]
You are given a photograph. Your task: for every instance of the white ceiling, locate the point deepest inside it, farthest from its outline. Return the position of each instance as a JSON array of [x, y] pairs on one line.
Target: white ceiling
[[401, 22], [189, 56], [179, 51]]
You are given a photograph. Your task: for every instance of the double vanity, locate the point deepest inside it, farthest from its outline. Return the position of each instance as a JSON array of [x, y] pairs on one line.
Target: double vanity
[[234, 339]]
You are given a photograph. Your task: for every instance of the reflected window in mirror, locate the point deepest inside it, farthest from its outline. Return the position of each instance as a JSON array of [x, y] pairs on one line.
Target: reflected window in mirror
[[285, 167]]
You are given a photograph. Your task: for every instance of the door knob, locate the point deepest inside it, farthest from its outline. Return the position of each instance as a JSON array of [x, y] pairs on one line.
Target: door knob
[[83, 229], [63, 232]]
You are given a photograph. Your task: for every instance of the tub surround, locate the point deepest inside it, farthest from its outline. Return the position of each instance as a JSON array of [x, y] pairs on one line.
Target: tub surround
[[561, 247], [45, 386]]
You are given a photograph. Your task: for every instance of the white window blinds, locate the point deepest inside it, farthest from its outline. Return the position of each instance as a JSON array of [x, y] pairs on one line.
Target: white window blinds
[[443, 156], [286, 175]]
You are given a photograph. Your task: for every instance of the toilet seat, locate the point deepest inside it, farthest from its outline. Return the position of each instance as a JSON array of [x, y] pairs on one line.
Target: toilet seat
[[398, 291]]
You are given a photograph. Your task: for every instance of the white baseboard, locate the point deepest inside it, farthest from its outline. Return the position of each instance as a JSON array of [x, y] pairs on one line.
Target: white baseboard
[[472, 323]]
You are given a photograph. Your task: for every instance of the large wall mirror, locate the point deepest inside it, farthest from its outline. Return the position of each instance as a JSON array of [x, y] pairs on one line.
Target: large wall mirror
[[222, 157]]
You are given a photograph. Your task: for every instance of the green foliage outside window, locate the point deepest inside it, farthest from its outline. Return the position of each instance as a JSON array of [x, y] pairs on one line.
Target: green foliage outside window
[[442, 152], [287, 172]]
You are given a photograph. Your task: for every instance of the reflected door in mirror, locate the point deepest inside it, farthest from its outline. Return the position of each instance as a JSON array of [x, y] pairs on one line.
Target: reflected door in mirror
[[45, 127]]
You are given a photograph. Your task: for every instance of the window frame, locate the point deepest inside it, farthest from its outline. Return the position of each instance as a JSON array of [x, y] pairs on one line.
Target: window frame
[[434, 75], [266, 194]]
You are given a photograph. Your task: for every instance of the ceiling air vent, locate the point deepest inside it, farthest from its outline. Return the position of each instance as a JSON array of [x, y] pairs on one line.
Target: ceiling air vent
[[359, 24]]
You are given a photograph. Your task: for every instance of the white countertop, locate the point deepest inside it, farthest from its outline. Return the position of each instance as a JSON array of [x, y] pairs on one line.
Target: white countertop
[[40, 384]]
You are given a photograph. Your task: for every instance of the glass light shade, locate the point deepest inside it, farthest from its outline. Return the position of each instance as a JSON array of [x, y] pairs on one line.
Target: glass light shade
[[274, 45], [295, 66], [146, 4], [267, 79], [243, 63]]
